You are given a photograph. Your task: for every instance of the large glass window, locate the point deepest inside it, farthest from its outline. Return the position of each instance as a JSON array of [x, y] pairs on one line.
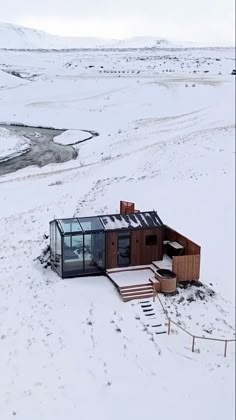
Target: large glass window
[[52, 242], [99, 249], [58, 253], [84, 253], [124, 251], [94, 252], [72, 255]]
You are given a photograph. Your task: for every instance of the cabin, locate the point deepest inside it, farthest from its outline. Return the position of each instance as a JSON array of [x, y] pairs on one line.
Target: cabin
[[83, 246]]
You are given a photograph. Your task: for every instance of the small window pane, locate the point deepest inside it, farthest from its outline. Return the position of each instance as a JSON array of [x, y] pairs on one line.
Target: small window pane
[[90, 223], [151, 240], [70, 225]]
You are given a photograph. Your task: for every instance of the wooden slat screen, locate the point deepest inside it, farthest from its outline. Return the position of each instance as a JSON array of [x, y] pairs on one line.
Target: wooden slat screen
[[186, 267], [190, 247]]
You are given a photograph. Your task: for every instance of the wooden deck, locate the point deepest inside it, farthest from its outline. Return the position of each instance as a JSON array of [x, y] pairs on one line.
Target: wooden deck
[[133, 283]]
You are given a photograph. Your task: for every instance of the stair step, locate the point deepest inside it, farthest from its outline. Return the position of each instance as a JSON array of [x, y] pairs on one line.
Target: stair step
[[146, 306], [160, 332], [149, 314], [157, 325], [138, 296], [133, 291], [147, 310], [136, 286], [137, 292]]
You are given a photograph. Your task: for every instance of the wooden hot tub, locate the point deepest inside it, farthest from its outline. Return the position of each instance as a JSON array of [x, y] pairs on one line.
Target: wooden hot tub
[[167, 279]]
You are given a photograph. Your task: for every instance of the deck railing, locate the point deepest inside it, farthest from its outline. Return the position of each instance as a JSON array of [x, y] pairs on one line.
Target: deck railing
[[194, 337]]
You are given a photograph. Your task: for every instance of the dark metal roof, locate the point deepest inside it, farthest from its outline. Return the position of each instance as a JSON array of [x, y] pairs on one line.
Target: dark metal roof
[[141, 220]]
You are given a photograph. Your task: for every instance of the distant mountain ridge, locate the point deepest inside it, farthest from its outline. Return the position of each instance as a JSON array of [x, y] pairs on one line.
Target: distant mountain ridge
[[20, 37]]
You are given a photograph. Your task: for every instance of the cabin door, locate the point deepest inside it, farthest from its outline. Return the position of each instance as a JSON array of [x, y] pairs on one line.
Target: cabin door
[[124, 249]]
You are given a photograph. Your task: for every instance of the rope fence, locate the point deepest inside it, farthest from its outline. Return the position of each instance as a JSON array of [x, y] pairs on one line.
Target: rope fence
[[194, 337]]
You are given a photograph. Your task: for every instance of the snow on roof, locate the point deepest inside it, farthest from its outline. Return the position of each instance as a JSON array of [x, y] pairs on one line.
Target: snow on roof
[[131, 221], [176, 245], [139, 220]]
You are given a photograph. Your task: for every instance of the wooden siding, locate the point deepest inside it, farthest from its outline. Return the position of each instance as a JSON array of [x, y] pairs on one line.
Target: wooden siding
[[144, 254], [141, 254], [190, 247], [111, 249], [186, 267]]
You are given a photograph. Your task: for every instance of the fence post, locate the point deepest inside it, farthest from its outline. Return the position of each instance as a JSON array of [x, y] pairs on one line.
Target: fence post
[[225, 348], [154, 293], [193, 344], [169, 326]]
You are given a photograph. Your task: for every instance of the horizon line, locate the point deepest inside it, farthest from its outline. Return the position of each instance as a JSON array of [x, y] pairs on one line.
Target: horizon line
[[111, 38]]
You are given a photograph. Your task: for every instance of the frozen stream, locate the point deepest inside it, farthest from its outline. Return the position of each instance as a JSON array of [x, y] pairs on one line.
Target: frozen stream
[[42, 151]]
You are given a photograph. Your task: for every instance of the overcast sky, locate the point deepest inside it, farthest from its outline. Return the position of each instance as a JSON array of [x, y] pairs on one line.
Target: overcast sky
[[187, 20]]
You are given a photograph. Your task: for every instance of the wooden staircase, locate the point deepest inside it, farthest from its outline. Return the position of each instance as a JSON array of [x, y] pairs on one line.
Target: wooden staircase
[[136, 291]]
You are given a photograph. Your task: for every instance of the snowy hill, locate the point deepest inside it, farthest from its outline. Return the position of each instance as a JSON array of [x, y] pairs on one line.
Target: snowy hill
[[19, 37], [166, 122], [12, 36], [9, 80]]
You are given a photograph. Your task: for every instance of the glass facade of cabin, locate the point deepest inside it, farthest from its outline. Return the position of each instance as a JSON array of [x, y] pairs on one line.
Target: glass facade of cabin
[[77, 246]]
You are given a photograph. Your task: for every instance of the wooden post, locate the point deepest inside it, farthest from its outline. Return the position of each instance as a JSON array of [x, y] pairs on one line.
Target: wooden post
[[169, 326], [193, 344], [225, 348]]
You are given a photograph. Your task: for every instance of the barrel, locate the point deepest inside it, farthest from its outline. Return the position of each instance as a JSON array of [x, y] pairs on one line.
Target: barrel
[[167, 279]]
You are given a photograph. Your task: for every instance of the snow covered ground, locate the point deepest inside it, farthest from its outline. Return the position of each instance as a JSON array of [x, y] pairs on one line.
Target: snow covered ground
[[11, 145], [129, 278], [72, 348], [72, 137], [8, 81]]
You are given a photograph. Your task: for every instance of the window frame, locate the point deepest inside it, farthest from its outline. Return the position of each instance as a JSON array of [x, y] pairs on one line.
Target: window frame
[[151, 240]]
